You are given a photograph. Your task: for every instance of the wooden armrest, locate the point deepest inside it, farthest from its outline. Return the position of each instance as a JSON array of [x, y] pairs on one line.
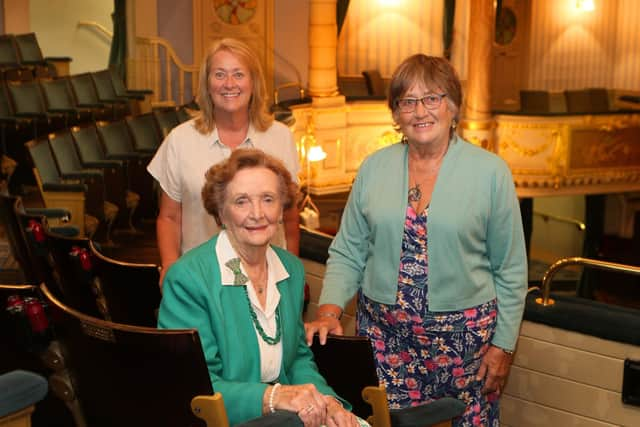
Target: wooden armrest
[[211, 410]]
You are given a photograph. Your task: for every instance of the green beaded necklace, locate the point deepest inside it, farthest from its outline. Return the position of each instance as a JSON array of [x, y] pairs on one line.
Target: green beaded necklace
[[266, 338]]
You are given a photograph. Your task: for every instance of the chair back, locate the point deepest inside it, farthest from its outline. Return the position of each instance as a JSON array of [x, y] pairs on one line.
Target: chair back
[[9, 56], [599, 99], [33, 227], [26, 98], [58, 94], [84, 89], [88, 144], [131, 290], [375, 83], [129, 375], [17, 244], [29, 48], [73, 272], [183, 114], [115, 138], [535, 101], [64, 151], [104, 85], [347, 363], [118, 84], [43, 160], [594, 100], [146, 135], [16, 333], [166, 119], [6, 109]]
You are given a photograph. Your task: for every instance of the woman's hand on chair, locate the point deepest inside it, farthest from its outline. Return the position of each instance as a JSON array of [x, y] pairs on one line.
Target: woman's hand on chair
[[327, 322], [337, 416], [323, 327], [303, 399]]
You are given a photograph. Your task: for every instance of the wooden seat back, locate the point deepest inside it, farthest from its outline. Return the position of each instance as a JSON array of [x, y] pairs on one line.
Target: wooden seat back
[[131, 291], [127, 375]]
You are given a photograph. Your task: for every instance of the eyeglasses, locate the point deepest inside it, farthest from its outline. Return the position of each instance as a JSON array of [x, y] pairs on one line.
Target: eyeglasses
[[430, 102]]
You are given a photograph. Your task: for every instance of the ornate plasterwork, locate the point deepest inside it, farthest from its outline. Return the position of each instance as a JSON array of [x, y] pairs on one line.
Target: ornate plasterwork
[[571, 154], [549, 155]]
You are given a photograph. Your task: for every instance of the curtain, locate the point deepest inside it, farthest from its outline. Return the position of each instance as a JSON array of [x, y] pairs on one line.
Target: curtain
[[118, 52], [447, 26], [341, 13]]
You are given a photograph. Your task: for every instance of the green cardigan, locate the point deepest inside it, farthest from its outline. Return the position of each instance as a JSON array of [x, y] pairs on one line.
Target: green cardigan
[[476, 247], [193, 297]]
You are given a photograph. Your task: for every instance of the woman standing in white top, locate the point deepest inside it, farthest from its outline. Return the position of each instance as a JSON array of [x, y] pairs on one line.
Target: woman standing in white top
[[233, 114]]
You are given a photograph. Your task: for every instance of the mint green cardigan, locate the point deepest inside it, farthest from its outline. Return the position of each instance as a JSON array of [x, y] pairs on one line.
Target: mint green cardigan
[[193, 297], [475, 245]]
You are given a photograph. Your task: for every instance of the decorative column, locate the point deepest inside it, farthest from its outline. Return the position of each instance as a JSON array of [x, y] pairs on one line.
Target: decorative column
[[323, 42], [477, 123]]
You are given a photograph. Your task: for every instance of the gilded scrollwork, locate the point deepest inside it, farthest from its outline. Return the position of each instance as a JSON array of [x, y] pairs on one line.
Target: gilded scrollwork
[[571, 155], [510, 142]]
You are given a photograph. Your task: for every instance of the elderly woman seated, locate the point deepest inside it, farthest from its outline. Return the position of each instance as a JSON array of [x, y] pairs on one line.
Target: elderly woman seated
[[245, 298]]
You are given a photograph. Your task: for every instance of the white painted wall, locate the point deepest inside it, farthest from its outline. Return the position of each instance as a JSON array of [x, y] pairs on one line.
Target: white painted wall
[[55, 23]]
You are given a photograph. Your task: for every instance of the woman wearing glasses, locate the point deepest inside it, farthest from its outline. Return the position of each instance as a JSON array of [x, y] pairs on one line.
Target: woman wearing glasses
[[438, 263]]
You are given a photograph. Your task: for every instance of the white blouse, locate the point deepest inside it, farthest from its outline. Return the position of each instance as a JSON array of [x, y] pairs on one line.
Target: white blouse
[[270, 355]]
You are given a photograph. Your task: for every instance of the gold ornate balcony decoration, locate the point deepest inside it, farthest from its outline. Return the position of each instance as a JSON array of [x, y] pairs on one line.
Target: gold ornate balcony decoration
[[571, 154]]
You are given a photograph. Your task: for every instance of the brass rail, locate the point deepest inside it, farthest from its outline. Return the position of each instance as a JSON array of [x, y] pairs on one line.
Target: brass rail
[[547, 216], [587, 262], [101, 28], [151, 72]]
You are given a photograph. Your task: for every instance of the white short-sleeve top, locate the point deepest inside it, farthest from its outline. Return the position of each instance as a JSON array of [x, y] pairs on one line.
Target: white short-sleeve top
[[185, 155]]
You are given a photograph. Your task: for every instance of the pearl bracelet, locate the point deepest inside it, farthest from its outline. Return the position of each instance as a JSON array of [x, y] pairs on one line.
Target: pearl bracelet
[[271, 395]]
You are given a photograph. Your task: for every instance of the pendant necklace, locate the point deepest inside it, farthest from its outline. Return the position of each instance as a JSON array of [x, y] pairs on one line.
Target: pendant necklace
[[414, 193]]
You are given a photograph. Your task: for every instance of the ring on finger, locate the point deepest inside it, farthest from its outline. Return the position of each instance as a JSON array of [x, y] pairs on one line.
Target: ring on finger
[[309, 408]]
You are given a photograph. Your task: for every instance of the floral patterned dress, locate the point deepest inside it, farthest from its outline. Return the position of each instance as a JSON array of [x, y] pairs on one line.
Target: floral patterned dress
[[421, 355]]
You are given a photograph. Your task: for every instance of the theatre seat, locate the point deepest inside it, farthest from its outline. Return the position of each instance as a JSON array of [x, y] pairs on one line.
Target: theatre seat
[[145, 133], [347, 363], [375, 83], [24, 229], [19, 392], [535, 101], [131, 291], [167, 119], [118, 145], [126, 375], [55, 191], [583, 101]]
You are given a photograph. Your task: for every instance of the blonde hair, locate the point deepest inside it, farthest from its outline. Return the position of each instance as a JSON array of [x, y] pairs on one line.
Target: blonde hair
[[221, 174], [258, 111]]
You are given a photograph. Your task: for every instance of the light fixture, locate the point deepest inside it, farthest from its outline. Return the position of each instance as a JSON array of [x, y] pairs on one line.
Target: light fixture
[[585, 5], [309, 212], [316, 153]]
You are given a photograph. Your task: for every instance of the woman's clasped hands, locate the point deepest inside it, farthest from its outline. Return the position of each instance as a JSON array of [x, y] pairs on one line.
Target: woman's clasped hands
[[313, 408]]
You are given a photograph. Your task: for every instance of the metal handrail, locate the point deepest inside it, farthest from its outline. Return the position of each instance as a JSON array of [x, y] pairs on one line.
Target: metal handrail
[[547, 216], [149, 72], [587, 262], [104, 30]]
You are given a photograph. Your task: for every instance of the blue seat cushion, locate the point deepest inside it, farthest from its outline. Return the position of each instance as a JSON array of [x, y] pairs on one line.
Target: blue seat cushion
[[19, 390]]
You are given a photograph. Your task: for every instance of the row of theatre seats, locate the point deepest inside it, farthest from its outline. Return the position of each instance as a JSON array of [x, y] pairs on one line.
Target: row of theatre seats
[[110, 365], [98, 170], [30, 108], [21, 57], [580, 101]]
